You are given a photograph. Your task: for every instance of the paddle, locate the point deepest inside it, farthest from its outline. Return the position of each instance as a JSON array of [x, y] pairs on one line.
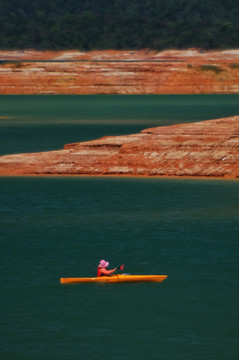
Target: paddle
[[121, 267]]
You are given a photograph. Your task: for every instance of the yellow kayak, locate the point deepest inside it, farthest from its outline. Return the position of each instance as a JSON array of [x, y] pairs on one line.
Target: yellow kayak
[[115, 279]]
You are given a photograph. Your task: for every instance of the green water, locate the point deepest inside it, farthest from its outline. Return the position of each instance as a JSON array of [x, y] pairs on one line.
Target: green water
[[60, 227], [52, 227], [39, 123]]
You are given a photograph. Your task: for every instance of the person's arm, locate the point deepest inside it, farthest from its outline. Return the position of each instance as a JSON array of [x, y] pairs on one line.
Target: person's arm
[[107, 272]]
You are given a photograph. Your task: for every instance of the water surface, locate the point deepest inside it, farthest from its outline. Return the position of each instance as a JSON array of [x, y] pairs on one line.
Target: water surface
[[62, 226], [40, 123]]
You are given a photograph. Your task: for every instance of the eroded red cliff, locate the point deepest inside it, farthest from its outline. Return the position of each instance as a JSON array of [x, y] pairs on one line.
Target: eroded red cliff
[[119, 72], [208, 148]]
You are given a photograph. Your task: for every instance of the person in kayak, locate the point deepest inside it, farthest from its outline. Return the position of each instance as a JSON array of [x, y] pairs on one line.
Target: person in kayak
[[102, 269]]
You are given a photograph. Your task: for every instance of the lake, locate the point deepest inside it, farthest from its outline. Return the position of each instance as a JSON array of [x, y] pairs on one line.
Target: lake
[[39, 123], [54, 227]]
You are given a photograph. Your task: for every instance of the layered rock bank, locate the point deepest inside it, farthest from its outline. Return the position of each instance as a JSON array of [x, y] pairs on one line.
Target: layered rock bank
[[119, 72], [204, 149]]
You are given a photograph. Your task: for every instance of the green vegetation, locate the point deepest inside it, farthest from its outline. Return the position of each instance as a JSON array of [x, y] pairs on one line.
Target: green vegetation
[[119, 24], [214, 68], [234, 65], [14, 64]]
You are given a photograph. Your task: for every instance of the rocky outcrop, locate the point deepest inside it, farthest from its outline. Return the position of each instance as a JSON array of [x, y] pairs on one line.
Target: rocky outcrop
[[119, 72], [204, 149]]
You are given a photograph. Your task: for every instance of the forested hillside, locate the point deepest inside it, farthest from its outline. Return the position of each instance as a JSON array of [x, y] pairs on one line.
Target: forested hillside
[[119, 24]]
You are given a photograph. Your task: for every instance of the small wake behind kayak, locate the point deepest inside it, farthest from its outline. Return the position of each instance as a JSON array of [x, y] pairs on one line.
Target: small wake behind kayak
[[115, 279]]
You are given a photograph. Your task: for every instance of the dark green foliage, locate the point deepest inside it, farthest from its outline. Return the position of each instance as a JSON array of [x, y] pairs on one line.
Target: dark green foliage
[[234, 65], [118, 24], [213, 68]]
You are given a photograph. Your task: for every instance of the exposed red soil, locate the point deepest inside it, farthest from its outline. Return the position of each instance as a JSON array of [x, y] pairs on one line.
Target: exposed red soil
[[204, 149], [119, 72]]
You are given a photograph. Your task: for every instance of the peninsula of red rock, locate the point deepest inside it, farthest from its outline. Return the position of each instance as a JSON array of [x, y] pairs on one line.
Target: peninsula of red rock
[[119, 72], [203, 149]]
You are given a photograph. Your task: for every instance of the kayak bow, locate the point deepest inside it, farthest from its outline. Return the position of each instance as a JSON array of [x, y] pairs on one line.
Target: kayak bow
[[115, 279]]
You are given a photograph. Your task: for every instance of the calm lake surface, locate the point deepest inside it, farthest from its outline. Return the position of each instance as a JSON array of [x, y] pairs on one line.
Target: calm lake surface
[[54, 227], [40, 123]]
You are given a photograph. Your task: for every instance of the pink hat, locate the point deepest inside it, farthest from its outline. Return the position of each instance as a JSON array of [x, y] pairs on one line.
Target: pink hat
[[103, 263]]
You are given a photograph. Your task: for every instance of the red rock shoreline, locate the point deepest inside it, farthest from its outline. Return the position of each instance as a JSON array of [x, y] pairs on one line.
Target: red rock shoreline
[[119, 72], [207, 149]]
